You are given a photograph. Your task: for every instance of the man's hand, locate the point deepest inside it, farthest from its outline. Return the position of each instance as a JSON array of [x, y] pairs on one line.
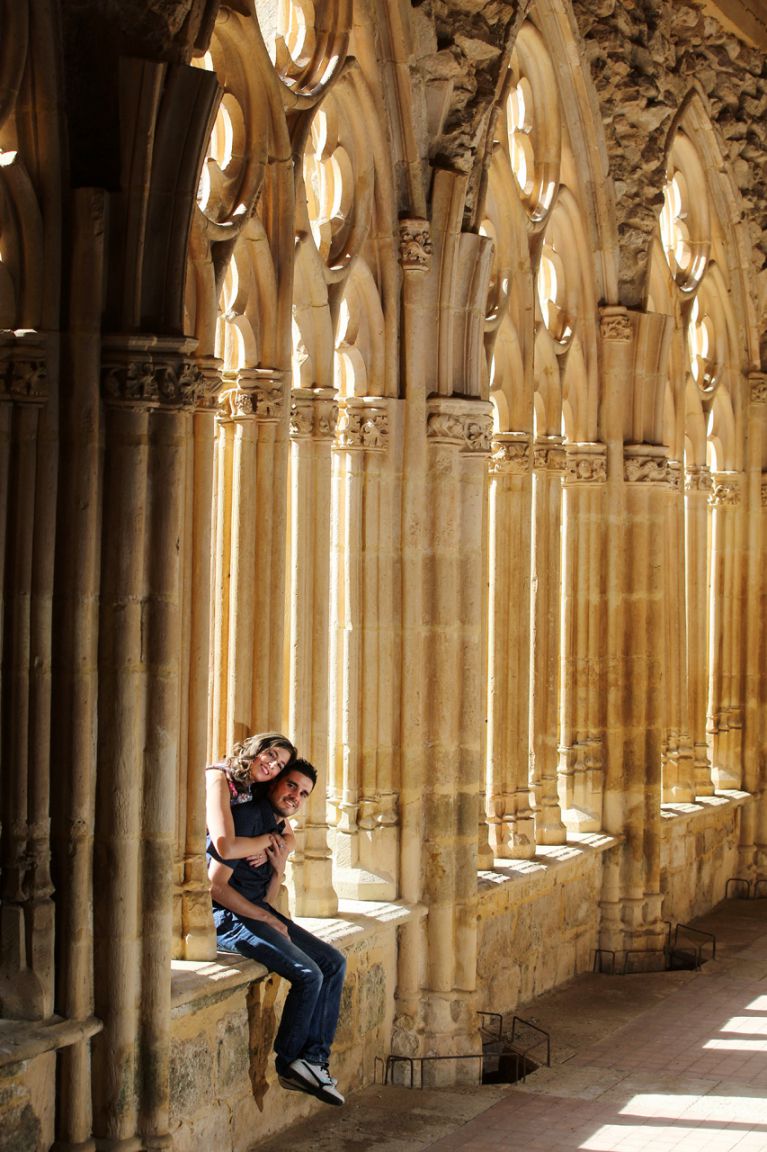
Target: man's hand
[[272, 921], [278, 852]]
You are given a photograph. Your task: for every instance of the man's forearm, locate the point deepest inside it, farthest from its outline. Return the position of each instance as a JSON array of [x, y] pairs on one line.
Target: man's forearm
[[229, 898]]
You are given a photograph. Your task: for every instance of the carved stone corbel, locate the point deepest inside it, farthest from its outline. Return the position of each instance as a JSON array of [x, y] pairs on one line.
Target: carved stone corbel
[[645, 464], [363, 424], [726, 490], [511, 453], [23, 368], [151, 372], [415, 245], [313, 414], [615, 324], [254, 394], [585, 463], [549, 454], [466, 423], [758, 387]]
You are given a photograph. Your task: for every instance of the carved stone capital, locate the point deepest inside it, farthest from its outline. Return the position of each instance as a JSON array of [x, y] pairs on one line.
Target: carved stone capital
[[512, 453], [313, 414], [211, 370], [23, 368], [549, 454], [415, 244], [758, 387], [363, 423], [151, 372], [726, 492], [585, 463], [256, 394], [697, 478], [615, 324], [467, 423], [645, 464], [674, 475]]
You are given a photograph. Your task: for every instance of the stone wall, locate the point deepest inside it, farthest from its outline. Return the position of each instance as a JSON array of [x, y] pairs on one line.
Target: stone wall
[[26, 1104], [538, 922], [224, 1091], [699, 853]]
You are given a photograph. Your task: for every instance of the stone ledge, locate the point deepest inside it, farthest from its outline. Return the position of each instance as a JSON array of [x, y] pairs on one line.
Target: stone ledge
[[198, 982], [549, 859], [22, 1040], [705, 805]]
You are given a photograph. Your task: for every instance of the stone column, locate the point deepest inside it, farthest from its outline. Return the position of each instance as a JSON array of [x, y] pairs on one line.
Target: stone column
[[633, 372], [677, 769], [442, 714], [194, 933], [633, 790], [28, 468], [364, 712], [752, 832], [250, 540], [509, 808], [760, 837], [150, 388], [545, 641], [581, 752], [697, 487], [725, 703], [76, 632], [313, 417]]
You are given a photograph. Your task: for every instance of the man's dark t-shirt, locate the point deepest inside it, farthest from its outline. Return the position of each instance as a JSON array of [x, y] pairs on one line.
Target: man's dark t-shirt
[[253, 818]]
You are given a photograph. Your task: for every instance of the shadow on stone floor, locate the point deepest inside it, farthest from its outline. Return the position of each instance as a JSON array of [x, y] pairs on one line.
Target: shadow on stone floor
[[585, 1019]]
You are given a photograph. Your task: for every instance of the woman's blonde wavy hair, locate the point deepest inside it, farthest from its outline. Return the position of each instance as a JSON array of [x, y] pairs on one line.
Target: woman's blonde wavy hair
[[239, 759]]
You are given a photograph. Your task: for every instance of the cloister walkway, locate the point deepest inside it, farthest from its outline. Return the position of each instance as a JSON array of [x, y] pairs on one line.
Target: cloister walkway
[[673, 1062]]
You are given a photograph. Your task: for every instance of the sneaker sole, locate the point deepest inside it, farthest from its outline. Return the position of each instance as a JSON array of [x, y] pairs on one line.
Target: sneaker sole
[[309, 1090]]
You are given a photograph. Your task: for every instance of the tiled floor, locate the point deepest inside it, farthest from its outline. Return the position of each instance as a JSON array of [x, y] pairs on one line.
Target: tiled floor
[[674, 1061]]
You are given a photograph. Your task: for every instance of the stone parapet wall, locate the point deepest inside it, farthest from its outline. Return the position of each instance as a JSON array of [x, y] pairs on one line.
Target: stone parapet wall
[[699, 853], [539, 921], [224, 1090]]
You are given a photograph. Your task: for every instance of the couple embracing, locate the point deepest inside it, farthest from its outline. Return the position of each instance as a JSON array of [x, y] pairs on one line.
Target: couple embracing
[[250, 797]]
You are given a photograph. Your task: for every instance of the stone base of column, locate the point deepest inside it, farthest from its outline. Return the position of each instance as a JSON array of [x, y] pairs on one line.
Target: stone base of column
[[580, 820], [444, 1025], [359, 884], [512, 838], [632, 925]]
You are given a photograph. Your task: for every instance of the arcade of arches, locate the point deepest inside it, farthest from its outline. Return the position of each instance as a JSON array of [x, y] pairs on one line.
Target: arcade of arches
[[393, 374]]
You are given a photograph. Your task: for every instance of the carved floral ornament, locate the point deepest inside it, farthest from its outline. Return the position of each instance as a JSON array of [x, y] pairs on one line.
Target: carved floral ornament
[[153, 383], [362, 426], [465, 423], [24, 380], [313, 414], [674, 475], [415, 244], [764, 490], [726, 490], [549, 455], [758, 387], [511, 453], [644, 467], [256, 395], [697, 478], [615, 325], [585, 463]]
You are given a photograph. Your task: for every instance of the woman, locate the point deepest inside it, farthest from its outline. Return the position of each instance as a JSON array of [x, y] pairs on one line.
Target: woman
[[256, 760]]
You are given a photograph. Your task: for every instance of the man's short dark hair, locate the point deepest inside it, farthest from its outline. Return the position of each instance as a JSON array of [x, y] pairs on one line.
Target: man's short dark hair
[[304, 767]]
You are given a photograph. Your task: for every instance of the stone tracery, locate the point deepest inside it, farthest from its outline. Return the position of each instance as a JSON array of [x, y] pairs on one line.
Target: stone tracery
[[371, 334]]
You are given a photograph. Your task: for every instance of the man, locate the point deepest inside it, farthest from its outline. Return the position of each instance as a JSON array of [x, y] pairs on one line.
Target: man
[[244, 892]]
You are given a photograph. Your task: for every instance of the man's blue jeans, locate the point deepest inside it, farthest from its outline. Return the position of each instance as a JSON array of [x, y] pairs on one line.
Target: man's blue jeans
[[316, 973]]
